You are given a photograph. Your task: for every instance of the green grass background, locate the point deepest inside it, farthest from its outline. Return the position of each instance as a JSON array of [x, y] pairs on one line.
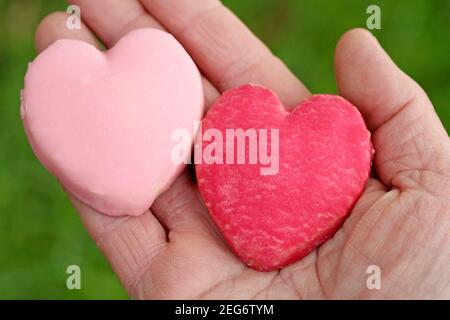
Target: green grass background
[[40, 234]]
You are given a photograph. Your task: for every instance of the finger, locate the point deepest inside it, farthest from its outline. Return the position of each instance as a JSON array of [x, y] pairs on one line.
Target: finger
[[180, 210], [53, 27], [129, 243], [409, 139], [112, 19], [224, 48]]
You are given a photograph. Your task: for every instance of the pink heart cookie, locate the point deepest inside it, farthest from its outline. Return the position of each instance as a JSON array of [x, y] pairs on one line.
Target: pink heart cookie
[[279, 183], [101, 122]]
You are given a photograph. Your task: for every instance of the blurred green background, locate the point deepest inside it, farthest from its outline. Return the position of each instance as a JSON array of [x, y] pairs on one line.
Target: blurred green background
[[40, 234]]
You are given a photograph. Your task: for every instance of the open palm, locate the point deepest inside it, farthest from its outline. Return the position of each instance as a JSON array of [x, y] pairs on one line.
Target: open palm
[[401, 222]]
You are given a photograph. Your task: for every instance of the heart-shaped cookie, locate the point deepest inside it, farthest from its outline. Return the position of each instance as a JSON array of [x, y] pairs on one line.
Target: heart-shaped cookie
[[101, 122], [279, 183]]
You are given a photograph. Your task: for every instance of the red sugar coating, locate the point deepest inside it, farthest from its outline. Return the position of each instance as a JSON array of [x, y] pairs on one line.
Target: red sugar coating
[[325, 156]]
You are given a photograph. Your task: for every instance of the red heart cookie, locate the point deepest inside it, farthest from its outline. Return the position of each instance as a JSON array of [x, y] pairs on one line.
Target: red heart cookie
[[278, 183]]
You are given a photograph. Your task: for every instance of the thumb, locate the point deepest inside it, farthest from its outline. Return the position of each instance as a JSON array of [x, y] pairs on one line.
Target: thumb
[[411, 143]]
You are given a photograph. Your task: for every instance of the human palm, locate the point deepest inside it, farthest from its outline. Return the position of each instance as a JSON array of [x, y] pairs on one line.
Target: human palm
[[401, 222]]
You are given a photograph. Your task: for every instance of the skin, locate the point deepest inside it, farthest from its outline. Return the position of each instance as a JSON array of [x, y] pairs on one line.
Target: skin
[[401, 222]]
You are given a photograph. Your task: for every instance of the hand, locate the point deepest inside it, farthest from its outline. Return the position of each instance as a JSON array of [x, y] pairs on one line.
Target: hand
[[401, 222]]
